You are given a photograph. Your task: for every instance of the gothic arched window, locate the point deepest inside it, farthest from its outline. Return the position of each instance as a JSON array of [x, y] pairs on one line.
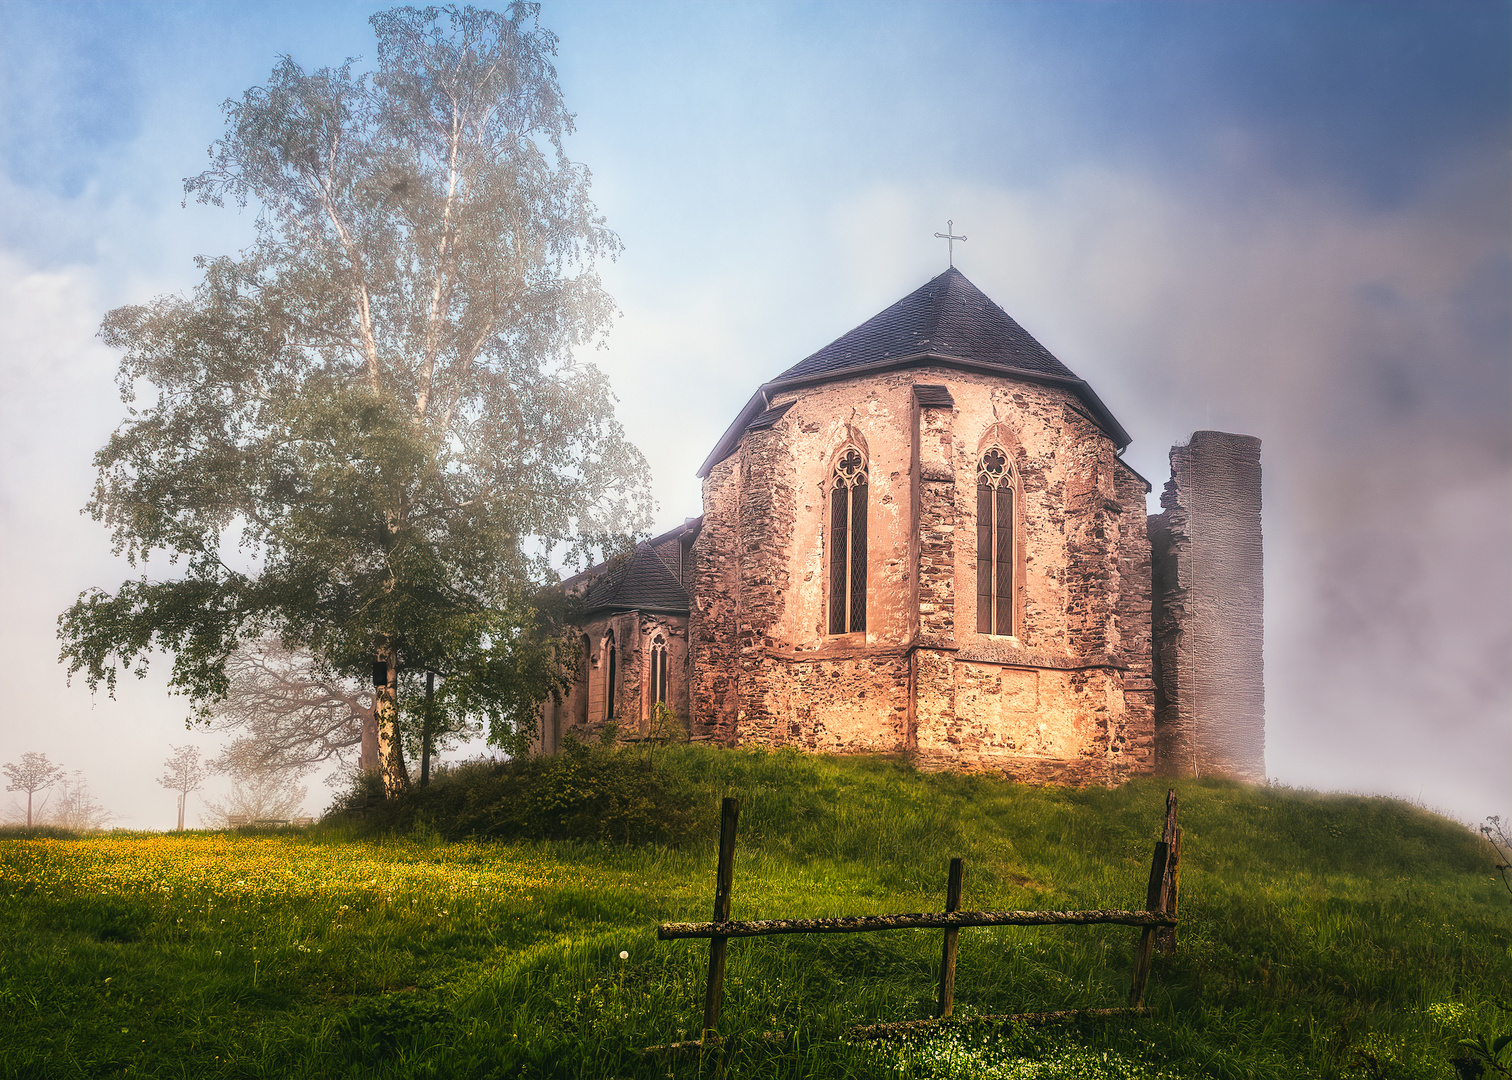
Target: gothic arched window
[[611, 672], [658, 669], [847, 544], [994, 547], [587, 665]]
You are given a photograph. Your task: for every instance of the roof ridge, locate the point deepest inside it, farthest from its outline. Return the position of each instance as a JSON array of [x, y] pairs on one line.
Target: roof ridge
[[947, 318], [947, 314]]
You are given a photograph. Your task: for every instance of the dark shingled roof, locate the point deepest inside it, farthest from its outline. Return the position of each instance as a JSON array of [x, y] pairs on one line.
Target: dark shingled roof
[[646, 581], [947, 316], [641, 583], [948, 322]]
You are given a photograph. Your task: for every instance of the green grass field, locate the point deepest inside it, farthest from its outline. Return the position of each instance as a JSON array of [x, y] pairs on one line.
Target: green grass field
[[1322, 936]]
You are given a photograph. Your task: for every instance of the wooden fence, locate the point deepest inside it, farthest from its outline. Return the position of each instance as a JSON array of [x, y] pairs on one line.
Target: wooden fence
[[1157, 922]]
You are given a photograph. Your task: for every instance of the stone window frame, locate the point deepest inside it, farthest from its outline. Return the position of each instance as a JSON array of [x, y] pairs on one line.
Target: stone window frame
[[609, 665], [658, 683], [853, 476], [580, 714], [1006, 479]]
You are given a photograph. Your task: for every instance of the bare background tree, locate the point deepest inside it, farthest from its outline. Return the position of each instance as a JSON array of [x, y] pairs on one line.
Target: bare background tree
[[259, 792], [76, 808], [185, 773], [289, 715], [33, 773]]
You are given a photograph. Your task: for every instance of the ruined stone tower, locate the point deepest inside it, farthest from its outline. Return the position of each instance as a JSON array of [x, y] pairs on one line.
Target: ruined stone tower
[[923, 540], [1208, 611]]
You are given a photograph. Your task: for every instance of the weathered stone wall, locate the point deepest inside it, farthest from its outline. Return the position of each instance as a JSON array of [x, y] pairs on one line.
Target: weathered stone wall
[[766, 518], [582, 709], [1135, 742], [1209, 610], [844, 700], [714, 612], [920, 679]]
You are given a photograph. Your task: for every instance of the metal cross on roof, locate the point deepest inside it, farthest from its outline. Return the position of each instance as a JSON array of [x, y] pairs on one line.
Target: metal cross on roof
[[947, 236]]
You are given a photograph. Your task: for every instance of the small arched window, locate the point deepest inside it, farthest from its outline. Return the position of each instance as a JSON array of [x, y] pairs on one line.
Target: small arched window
[[658, 669], [847, 544], [994, 547], [611, 672]]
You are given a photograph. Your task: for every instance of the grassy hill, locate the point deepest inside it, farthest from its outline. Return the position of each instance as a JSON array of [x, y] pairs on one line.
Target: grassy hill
[[1322, 936]]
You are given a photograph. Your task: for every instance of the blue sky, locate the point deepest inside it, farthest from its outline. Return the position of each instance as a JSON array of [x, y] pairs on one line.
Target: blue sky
[[1289, 220]]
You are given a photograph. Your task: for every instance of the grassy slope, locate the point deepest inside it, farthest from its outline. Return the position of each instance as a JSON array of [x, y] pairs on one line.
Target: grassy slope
[[1323, 936]]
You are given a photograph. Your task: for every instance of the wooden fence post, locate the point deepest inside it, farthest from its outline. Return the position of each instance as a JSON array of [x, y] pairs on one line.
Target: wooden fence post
[[729, 815], [948, 957], [1155, 900], [1165, 937]]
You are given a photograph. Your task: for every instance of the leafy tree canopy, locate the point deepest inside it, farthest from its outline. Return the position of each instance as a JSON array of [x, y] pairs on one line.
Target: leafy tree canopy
[[366, 433]]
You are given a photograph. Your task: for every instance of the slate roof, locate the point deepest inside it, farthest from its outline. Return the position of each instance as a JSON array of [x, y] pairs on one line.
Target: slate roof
[[947, 316], [641, 583], [646, 581], [946, 322]]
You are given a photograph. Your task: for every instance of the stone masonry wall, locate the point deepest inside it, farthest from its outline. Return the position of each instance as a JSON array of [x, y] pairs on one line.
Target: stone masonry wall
[[1067, 698], [1209, 610], [714, 612], [1135, 742], [766, 536], [1082, 622]]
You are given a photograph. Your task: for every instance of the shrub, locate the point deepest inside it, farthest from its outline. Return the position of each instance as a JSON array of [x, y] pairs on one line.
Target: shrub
[[594, 793]]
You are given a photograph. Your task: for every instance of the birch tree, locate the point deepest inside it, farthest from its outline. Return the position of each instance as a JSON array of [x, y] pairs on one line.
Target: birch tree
[[367, 434]]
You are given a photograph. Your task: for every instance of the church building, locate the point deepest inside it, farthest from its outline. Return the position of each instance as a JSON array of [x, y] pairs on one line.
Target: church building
[[922, 541]]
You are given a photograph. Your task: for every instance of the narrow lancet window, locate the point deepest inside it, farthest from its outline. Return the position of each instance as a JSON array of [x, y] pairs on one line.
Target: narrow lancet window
[[658, 669], [847, 544], [994, 537], [586, 662], [611, 674]]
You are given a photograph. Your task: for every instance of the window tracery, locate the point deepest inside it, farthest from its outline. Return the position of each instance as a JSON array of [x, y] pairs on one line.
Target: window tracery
[[658, 669], [994, 548], [847, 543]]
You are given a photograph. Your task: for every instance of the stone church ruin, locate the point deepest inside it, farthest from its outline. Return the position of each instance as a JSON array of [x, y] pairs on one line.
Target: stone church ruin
[[922, 540]]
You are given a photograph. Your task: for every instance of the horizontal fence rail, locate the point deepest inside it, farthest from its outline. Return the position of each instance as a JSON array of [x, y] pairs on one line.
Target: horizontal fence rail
[[929, 920], [1157, 929]]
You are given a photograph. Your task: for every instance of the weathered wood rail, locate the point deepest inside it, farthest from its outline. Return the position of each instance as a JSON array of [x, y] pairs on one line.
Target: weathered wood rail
[[932, 920], [1157, 924]]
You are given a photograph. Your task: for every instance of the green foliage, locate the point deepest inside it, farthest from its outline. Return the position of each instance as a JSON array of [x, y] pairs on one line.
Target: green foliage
[[1488, 1053], [666, 725], [1323, 936], [585, 793], [375, 406]]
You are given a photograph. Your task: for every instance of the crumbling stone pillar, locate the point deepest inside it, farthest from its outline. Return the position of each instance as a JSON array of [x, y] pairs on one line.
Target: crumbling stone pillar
[[1208, 611]]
